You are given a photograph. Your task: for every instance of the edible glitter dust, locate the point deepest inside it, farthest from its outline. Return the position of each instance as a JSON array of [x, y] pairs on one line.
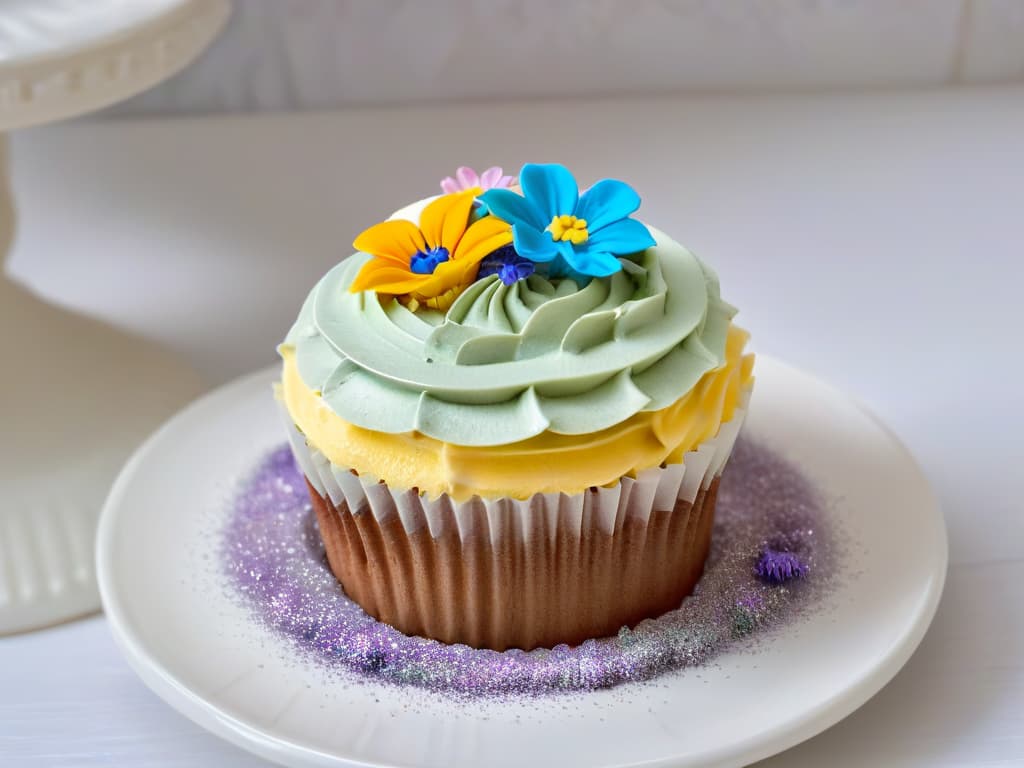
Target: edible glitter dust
[[276, 565]]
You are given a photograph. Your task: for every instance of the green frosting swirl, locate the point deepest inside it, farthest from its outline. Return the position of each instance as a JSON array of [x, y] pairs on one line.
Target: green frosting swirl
[[506, 363]]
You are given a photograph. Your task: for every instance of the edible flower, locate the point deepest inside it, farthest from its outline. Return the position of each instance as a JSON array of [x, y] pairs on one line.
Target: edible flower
[[430, 264], [507, 265], [577, 234], [778, 566], [467, 179]]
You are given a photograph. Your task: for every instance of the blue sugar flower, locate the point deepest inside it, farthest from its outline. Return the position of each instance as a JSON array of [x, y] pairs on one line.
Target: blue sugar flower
[[551, 222], [506, 264]]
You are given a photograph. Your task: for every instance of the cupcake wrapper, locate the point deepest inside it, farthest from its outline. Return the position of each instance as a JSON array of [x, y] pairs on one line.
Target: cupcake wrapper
[[500, 573], [657, 488]]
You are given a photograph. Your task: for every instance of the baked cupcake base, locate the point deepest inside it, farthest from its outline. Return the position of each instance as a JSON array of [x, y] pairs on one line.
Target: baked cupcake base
[[563, 584], [509, 573]]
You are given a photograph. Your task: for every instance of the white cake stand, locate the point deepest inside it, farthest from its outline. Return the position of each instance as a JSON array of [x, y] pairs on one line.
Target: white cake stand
[[76, 396]]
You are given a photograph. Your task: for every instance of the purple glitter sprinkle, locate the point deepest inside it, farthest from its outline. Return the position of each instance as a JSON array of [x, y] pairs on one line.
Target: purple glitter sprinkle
[[275, 563]]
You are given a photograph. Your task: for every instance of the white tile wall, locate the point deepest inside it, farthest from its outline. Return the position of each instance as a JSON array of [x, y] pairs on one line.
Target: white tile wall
[[288, 54], [994, 41]]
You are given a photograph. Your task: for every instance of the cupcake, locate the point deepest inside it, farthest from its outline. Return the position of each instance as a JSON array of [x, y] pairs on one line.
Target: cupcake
[[512, 407]]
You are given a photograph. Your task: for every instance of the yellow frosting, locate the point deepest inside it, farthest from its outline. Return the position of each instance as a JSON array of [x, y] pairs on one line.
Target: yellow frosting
[[548, 462]]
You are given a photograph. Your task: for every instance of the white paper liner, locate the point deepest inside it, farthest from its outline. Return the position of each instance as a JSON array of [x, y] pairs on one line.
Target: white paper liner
[[657, 488]]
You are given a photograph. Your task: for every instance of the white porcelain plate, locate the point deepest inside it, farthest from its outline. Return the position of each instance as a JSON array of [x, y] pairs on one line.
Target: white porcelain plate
[[196, 647]]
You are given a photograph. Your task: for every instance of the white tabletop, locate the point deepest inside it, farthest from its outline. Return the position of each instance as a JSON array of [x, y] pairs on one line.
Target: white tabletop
[[876, 240]]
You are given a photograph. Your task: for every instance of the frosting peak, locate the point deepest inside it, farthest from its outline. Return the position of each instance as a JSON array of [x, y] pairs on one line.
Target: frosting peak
[[492, 322]]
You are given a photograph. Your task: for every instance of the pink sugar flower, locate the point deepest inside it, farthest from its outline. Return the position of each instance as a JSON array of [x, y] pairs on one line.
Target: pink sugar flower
[[466, 178]]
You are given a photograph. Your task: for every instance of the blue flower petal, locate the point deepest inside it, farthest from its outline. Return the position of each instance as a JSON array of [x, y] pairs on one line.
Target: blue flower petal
[[513, 208], [551, 188], [559, 268], [621, 237], [607, 201], [592, 263], [533, 243]]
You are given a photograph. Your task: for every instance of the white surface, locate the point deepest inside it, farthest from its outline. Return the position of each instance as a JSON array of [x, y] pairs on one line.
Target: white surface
[[82, 399], [36, 29], [337, 53], [869, 239], [236, 679], [60, 58], [84, 394]]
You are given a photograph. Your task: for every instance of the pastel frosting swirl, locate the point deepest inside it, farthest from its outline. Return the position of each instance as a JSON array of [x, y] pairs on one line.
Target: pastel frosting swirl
[[506, 363]]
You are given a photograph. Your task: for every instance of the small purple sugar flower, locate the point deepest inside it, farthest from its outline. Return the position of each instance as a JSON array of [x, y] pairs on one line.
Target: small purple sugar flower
[[506, 264], [777, 566]]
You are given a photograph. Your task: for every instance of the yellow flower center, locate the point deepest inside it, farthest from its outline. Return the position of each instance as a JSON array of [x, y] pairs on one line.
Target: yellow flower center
[[568, 228]]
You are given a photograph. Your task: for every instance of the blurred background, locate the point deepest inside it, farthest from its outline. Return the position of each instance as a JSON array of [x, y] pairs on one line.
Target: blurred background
[[758, 131], [317, 54]]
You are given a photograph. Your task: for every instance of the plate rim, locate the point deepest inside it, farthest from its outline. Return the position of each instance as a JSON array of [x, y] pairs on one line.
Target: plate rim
[[751, 748]]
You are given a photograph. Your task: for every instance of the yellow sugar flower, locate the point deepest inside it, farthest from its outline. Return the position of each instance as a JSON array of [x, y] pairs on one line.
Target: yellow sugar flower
[[429, 265]]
